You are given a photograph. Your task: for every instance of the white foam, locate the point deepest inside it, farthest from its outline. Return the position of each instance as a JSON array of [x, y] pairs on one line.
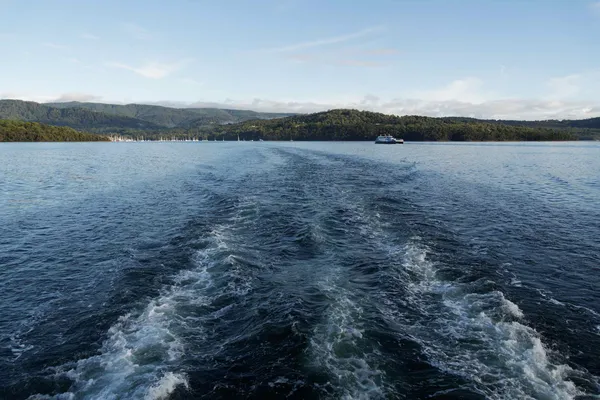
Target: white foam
[[511, 308], [337, 345], [140, 355], [165, 386], [474, 335], [140, 346]]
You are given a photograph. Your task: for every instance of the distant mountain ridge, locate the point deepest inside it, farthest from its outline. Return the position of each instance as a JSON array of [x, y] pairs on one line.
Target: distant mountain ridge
[[99, 117], [344, 124], [78, 118], [152, 121]]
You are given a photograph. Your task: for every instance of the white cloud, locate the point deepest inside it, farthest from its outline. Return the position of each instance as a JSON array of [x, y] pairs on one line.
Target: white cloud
[[334, 59], [55, 46], [325, 41], [191, 81], [464, 90], [137, 31], [516, 109], [27, 97], [89, 36], [463, 97], [525, 109], [595, 7], [564, 87], [152, 70], [82, 97], [382, 52]]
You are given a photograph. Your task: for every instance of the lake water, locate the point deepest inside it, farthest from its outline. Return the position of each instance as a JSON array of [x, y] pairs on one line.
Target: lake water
[[299, 270]]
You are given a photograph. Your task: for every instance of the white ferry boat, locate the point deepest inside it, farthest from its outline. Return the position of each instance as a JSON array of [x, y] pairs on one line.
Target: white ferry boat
[[388, 139]]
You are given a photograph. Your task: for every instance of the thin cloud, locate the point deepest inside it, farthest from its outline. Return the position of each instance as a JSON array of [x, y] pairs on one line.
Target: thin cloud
[[75, 96], [360, 63], [137, 31], [564, 87], [89, 36], [595, 7], [381, 52], [520, 109], [152, 70], [467, 90], [515, 109], [333, 60], [325, 41], [55, 46], [191, 81]]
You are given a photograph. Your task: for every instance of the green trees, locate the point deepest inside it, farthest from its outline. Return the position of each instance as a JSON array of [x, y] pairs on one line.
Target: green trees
[[18, 131], [363, 125], [154, 122]]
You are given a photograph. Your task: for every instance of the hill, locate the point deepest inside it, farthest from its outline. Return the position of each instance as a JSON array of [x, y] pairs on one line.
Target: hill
[[363, 125], [105, 118], [78, 118], [19, 131], [153, 122], [173, 117]]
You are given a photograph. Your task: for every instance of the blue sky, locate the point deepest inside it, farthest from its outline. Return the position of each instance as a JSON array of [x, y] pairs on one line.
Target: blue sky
[[485, 58]]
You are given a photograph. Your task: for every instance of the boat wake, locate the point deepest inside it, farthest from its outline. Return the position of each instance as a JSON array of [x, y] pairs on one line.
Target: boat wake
[[472, 331]]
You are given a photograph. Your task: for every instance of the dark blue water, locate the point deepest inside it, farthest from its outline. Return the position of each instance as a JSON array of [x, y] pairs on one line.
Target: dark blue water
[[299, 270]]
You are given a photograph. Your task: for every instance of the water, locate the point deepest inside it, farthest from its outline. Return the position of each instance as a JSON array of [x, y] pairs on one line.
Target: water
[[299, 270]]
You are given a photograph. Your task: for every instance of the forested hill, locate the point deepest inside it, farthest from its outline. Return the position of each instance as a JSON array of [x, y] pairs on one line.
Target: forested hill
[[19, 131], [363, 125], [111, 118], [78, 118], [137, 120], [173, 117]]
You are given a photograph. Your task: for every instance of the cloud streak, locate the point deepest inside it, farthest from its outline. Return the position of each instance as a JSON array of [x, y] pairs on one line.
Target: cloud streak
[[466, 97], [334, 60], [151, 70], [324, 41], [564, 87], [89, 36], [521, 109], [75, 96], [137, 31], [55, 46], [381, 52]]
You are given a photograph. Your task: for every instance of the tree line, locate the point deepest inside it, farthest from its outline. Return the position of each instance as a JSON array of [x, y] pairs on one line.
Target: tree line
[[19, 131]]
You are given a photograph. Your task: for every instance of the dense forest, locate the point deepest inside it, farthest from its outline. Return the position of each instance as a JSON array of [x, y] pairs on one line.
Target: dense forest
[[154, 122], [361, 125], [170, 117], [19, 131], [364, 125]]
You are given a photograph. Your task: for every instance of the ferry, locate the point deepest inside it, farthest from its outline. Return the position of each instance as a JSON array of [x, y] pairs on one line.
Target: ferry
[[388, 139]]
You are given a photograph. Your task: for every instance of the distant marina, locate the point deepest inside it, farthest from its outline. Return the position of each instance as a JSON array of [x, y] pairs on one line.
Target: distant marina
[[119, 138]]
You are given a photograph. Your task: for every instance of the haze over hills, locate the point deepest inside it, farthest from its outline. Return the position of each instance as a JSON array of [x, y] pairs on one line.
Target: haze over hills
[[152, 121]]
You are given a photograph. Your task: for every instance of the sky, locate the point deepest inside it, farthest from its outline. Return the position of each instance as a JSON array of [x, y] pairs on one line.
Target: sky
[[502, 59]]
